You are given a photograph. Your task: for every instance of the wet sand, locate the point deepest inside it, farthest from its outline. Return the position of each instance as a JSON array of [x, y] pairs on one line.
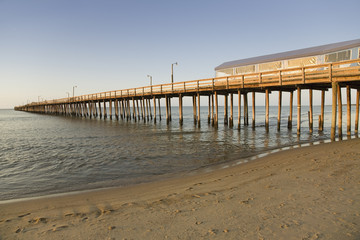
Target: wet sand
[[304, 193]]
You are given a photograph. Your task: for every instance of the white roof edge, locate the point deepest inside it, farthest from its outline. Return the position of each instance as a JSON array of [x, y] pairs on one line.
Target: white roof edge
[[305, 52]]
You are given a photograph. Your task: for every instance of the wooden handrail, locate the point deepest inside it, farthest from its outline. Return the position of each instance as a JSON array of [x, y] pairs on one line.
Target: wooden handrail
[[210, 83]]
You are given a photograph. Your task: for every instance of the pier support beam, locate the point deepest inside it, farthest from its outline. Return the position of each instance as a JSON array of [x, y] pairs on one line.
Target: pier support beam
[[267, 110], [231, 119], [105, 112], [100, 113], [239, 108], [167, 109], [226, 109], [116, 109], [212, 110], [216, 110], [246, 109], [180, 110], [110, 109], [209, 109], [154, 100], [279, 111], [291, 110], [253, 110], [310, 110], [357, 111], [321, 117], [340, 112], [298, 110], [198, 116], [334, 87], [194, 108], [348, 96], [159, 109]]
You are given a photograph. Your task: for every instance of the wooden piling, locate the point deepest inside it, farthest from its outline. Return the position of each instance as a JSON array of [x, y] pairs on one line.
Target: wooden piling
[[116, 109], [246, 109], [253, 110], [310, 110], [134, 109], [212, 110], [279, 111], [226, 109], [194, 108], [209, 109], [180, 110], [321, 117], [105, 111], [167, 109], [239, 109], [154, 100], [231, 119], [340, 112], [216, 110], [267, 110], [348, 95], [110, 109], [298, 110], [169, 99], [159, 109], [291, 110], [198, 115], [100, 113], [357, 111]]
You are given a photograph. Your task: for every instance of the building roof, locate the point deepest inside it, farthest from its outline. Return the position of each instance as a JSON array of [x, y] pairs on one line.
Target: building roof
[[305, 52]]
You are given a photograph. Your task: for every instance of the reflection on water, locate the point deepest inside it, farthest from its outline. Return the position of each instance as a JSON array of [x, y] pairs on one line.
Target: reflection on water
[[43, 154]]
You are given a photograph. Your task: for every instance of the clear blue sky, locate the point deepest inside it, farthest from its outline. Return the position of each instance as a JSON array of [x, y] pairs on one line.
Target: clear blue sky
[[48, 46]]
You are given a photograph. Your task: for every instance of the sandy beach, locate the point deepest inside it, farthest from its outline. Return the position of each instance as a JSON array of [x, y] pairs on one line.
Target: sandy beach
[[303, 193]]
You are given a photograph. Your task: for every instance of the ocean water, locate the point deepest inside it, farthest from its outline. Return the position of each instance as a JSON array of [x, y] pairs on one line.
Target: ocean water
[[47, 154]]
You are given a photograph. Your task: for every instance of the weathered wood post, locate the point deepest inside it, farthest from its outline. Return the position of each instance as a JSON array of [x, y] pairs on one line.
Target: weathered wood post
[[291, 110], [321, 117], [231, 119], [334, 87], [253, 110], [105, 111], [209, 109], [167, 109], [134, 109], [212, 110], [100, 112], [239, 108], [159, 109], [198, 115], [310, 110], [246, 109], [154, 100], [298, 110], [216, 110], [348, 95], [279, 111], [110, 109], [194, 108], [340, 112], [357, 111], [180, 110], [267, 110], [226, 109]]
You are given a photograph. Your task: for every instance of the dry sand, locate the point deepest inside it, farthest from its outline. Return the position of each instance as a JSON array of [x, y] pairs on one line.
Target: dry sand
[[305, 193]]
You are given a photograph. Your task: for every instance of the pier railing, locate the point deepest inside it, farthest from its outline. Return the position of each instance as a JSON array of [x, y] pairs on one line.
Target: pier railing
[[315, 74]]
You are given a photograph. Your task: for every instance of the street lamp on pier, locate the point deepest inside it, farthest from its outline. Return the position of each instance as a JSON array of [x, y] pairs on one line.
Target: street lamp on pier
[[172, 71], [149, 76]]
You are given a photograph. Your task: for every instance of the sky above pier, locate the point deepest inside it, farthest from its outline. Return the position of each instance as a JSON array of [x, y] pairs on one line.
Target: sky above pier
[[47, 47]]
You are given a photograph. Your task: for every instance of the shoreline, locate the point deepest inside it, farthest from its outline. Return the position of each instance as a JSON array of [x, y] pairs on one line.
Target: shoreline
[[310, 193], [204, 169]]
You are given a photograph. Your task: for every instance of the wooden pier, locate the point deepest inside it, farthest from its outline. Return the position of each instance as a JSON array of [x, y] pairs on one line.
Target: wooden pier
[[140, 104]]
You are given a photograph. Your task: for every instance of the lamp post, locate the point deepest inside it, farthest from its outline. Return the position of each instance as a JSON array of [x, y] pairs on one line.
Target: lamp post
[[149, 76], [39, 98], [74, 91], [172, 72]]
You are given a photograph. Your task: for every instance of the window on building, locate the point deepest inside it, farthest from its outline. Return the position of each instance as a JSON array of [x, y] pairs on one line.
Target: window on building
[[244, 69], [270, 66], [338, 56], [302, 62]]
